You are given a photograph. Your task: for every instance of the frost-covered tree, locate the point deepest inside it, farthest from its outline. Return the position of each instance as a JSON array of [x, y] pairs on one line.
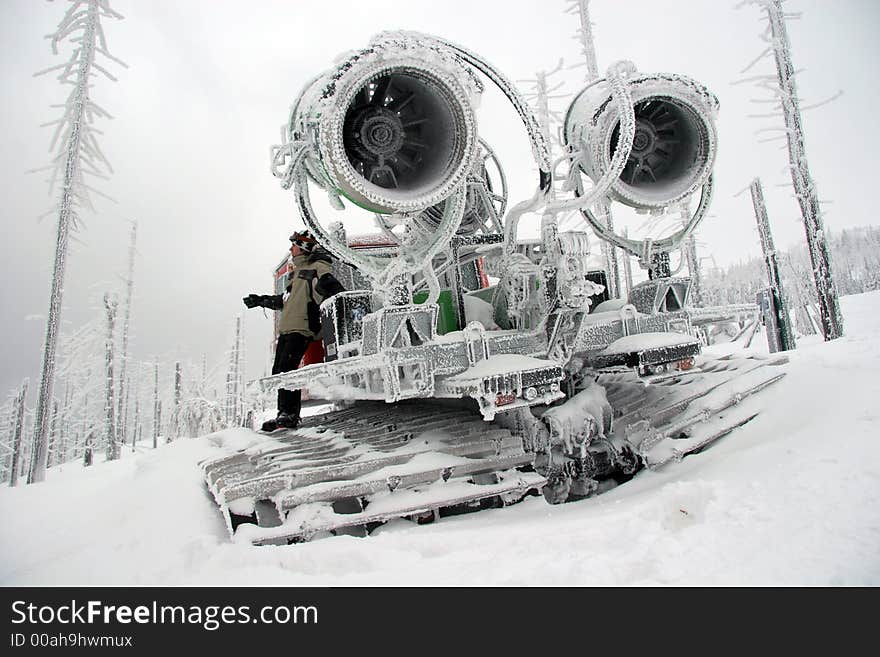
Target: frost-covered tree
[[855, 253], [81, 370], [77, 154], [603, 207], [785, 339], [122, 410], [178, 393], [53, 435], [109, 406], [784, 88], [7, 416], [137, 424], [234, 383], [198, 410], [156, 406], [195, 416], [64, 433], [17, 426]]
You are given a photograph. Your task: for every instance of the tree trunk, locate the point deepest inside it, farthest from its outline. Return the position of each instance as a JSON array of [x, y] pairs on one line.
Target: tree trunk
[[17, 433], [122, 412], [804, 187], [156, 406], [39, 455], [784, 339], [109, 405]]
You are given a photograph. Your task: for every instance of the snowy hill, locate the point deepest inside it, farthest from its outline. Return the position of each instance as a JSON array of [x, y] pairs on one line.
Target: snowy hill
[[793, 498]]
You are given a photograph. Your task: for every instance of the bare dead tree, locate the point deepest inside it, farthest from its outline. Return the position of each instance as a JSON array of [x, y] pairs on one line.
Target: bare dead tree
[[785, 339], [156, 405], [78, 154], [53, 436], [603, 208], [18, 429], [110, 304], [785, 90], [233, 380], [137, 419], [122, 411], [175, 411]]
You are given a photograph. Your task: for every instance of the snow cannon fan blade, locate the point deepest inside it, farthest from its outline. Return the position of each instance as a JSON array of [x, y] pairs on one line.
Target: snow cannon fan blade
[[395, 126], [674, 145]]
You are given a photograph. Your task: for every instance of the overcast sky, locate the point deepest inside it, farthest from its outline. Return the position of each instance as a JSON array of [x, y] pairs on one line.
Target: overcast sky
[[210, 83]]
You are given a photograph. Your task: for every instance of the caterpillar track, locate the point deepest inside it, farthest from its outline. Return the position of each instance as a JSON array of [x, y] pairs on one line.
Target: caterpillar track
[[350, 470], [680, 415], [362, 465]]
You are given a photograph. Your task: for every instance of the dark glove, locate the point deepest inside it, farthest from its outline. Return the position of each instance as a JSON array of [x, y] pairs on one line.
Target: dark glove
[[271, 301]]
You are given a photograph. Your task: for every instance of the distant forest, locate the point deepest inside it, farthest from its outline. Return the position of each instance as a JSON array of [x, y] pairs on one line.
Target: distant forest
[[855, 263]]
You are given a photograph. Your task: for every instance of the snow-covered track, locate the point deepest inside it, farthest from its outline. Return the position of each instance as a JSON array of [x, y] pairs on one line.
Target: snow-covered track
[[352, 469], [366, 464], [677, 416]]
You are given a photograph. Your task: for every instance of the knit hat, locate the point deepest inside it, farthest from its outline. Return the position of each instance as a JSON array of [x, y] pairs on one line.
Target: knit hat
[[304, 240]]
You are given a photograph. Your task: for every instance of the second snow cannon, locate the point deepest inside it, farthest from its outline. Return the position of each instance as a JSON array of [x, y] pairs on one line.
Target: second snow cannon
[[674, 141]]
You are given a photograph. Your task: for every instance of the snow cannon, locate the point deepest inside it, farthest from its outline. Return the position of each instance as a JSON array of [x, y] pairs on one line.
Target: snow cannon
[[453, 392], [393, 125], [673, 148]]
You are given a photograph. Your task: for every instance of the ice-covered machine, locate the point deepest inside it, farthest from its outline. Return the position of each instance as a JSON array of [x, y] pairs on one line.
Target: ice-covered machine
[[451, 392]]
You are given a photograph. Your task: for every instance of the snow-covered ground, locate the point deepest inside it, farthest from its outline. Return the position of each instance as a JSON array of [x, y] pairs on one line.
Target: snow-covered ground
[[792, 498]]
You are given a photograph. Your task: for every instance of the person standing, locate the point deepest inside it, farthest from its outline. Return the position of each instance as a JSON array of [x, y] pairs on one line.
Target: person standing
[[309, 284]]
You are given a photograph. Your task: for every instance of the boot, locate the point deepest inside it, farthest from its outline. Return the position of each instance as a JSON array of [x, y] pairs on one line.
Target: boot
[[287, 420], [283, 421]]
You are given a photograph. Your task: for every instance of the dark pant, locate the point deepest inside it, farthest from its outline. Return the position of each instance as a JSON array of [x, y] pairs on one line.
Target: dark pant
[[288, 353]]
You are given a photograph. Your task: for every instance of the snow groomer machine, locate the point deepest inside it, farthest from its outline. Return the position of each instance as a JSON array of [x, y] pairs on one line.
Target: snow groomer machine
[[469, 368]]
